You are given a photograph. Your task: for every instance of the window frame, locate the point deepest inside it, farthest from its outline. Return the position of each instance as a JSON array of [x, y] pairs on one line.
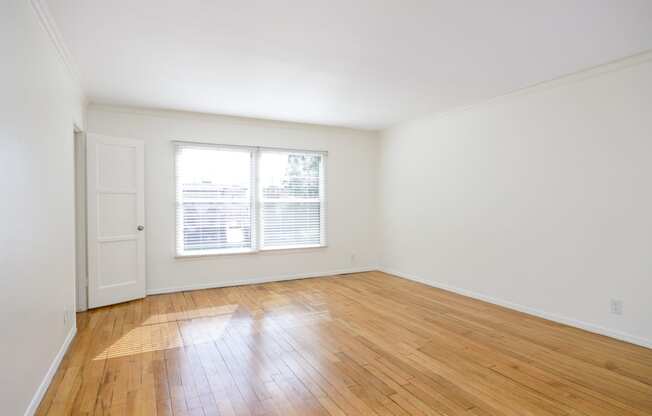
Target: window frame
[[256, 203]]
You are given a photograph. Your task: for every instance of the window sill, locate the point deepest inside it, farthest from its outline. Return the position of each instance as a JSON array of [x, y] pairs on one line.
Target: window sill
[[270, 251]]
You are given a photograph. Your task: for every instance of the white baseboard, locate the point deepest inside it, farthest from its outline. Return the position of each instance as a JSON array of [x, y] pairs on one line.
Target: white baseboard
[[40, 392], [623, 336], [257, 280]]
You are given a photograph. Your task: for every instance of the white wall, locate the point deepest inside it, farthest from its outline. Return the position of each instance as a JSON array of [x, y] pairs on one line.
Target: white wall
[[351, 192], [39, 105], [540, 200]]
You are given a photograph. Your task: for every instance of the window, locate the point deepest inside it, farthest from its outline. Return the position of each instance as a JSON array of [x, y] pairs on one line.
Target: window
[[291, 195], [239, 199], [215, 207]]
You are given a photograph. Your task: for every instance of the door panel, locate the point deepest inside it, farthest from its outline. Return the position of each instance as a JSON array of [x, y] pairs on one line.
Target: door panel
[[117, 214], [116, 209]]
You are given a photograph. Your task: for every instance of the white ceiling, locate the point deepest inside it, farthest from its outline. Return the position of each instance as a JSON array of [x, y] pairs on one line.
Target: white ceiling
[[356, 63]]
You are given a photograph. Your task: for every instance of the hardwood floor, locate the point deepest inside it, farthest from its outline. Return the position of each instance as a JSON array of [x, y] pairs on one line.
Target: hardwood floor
[[364, 344]]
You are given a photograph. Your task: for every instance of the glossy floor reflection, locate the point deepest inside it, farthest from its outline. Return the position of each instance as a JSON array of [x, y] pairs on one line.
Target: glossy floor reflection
[[363, 344]]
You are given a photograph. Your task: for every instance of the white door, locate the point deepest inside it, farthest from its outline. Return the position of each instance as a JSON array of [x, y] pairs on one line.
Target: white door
[[116, 219]]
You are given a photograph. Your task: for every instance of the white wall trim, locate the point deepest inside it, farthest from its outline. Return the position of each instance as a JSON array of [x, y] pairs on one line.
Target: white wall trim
[[49, 25], [257, 280], [170, 113], [40, 392], [597, 329], [561, 81]]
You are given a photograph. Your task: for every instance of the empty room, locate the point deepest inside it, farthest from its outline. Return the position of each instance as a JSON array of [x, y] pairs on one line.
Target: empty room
[[360, 207]]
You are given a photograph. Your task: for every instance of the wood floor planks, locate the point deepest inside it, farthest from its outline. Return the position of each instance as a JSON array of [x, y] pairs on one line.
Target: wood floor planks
[[363, 344]]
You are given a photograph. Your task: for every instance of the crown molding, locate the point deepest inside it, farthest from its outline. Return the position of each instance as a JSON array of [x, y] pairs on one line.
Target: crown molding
[[49, 25], [561, 81], [217, 117]]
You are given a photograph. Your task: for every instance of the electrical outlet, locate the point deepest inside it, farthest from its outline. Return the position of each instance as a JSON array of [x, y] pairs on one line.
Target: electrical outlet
[[616, 307], [352, 258]]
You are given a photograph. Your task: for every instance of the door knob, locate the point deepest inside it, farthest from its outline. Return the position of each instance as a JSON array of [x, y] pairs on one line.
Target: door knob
[[140, 227]]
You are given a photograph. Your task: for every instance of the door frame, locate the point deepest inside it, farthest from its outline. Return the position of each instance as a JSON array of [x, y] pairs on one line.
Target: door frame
[[81, 259]]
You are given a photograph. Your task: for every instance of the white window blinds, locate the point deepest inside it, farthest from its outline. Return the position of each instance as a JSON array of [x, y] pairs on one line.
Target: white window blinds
[[237, 199], [215, 204], [291, 198]]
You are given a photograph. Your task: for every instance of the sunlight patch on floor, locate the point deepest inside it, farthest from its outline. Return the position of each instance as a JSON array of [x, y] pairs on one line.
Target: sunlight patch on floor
[[146, 338], [190, 314]]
